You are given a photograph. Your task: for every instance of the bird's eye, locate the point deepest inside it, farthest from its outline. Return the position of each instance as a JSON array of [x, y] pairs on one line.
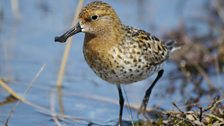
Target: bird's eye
[[94, 17]]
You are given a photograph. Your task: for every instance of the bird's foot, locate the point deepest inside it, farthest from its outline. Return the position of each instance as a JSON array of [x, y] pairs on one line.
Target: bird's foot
[[142, 111], [120, 121]]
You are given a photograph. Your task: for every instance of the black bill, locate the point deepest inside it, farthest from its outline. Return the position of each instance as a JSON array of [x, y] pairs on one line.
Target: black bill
[[76, 29]]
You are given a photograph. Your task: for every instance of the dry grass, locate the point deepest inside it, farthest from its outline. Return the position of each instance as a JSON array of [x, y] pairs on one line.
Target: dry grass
[[68, 47], [65, 58], [21, 99], [10, 91], [15, 9]]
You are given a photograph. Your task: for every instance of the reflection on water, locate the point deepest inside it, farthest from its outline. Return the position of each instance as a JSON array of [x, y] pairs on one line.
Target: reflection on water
[[9, 99]]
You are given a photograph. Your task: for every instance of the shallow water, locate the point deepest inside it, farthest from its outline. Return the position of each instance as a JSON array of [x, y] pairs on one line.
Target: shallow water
[[28, 43]]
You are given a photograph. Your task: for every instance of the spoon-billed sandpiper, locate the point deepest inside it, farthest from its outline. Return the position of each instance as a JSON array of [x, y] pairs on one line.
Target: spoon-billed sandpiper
[[117, 53]]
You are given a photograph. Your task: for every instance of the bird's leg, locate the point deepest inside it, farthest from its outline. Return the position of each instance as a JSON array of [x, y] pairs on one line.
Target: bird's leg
[[121, 102], [145, 100]]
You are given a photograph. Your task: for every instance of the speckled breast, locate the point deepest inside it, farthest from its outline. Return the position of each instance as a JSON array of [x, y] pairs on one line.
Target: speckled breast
[[119, 64]]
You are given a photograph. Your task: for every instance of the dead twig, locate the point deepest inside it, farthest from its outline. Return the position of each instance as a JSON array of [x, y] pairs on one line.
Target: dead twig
[[65, 58], [52, 109], [25, 92], [204, 75], [212, 105], [68, 47], [15, 9], [175, 105], [10, 91]]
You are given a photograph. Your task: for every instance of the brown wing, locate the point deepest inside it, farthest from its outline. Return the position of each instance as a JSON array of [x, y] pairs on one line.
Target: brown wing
[[153, 49]]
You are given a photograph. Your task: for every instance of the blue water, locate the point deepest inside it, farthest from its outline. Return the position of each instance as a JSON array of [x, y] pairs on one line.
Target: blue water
[[27, 43]]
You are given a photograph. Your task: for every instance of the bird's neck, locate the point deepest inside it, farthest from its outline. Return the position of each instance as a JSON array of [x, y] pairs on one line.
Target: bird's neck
[[109, 36], [100, 44]]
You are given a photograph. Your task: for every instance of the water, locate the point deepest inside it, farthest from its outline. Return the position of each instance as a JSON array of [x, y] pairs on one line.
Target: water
[[28, 43]]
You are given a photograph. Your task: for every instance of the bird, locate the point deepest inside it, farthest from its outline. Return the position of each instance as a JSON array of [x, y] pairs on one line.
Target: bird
[[117, 53]]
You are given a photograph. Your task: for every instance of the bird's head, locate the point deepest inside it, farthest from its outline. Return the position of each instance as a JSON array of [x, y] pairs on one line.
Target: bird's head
[[96, 18]]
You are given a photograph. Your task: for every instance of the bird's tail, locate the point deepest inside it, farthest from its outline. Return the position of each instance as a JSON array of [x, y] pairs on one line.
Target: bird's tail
[[172, 45]]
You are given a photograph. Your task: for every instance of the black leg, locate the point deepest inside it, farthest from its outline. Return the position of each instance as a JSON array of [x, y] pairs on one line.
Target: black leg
[[148, 92], [121, 102]]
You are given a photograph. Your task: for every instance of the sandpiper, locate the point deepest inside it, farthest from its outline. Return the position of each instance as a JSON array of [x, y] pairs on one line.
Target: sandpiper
[[118, 53]]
